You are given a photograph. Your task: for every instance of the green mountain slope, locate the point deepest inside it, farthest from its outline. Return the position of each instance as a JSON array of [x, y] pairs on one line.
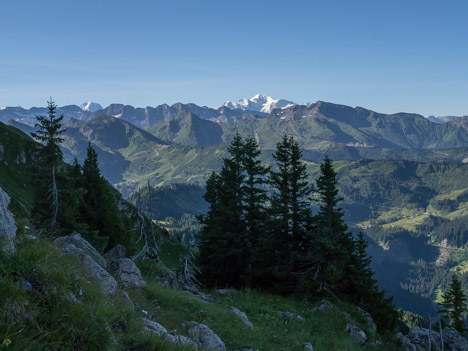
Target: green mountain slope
[[188, 129]]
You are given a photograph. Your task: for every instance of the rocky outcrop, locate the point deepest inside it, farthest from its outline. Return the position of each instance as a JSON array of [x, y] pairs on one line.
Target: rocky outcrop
[[286, 314], [418, 340], [356, 334], [91, 261], [158, 329], [126, 272], [241, 315], [77, 240], [7, 224], [115, 253], [368, 317], [93, 270], [207, 339]]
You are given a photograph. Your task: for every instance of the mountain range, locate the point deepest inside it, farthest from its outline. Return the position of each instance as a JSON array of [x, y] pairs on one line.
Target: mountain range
[[397, 171]]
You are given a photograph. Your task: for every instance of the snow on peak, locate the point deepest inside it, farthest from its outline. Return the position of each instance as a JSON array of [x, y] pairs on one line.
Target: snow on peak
[[90, 106], [260, 103]]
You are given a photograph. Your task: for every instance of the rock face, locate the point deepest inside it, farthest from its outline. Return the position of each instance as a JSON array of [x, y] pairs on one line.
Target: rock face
[[356, 334], [418, 340], [241, 315], [206, 338], [126, 272], [76, 240], [7, 224]]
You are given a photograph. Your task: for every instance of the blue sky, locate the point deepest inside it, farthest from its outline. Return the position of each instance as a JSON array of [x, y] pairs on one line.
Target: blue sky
[[388, 56]]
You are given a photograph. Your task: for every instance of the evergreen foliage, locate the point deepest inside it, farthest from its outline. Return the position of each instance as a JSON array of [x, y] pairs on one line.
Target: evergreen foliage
[[454, 303], [259, 232], [74, 198]]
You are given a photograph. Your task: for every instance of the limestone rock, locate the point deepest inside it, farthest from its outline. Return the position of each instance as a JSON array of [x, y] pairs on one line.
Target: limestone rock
[[207, 339], [324, 306], [158, 329], [454, 340], [115, 253], [93, 270], [290, 315], [76, 240], [122, 298], [356, 334], [7, 224], [242, 316], [126, 272], [368, 317]]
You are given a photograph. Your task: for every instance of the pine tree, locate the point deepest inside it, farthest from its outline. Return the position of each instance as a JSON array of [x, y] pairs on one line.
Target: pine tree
[[454, 302], [46, 203]]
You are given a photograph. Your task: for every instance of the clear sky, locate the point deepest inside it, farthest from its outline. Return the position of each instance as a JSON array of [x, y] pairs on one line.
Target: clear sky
[[389, 56]]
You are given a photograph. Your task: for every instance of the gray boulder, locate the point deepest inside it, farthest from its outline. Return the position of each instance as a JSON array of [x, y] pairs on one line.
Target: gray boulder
[[368, 317], [76, 240], [93, 270], [290, 315], [308, 346], [7, 224], [126, 272], [115, 253], [158, 329], [324, 307], [356, 334], [206, 338], [241, 315], [405, 342], [454, 340]]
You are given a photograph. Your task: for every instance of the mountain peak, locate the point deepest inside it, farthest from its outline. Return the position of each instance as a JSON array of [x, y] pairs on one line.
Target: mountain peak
[[90, 106], [259, 103]]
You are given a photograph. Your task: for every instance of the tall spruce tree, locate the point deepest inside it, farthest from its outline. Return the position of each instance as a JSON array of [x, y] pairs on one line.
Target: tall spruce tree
[[225, 243], [454, 303], [366, 293], [99, 208], [46, 202], [329, 261], [290, 215]]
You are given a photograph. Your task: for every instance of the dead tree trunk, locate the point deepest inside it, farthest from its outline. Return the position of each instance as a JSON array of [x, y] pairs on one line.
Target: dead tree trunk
[[55, 201]]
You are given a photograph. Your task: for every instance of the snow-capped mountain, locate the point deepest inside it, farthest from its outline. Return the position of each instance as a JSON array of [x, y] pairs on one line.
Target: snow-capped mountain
[[260, 103], [440, 119], [91, 106]]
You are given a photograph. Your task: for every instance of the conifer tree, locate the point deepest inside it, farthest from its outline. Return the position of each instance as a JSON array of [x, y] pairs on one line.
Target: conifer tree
[[335, 242], [454, 302], [365, 292], [99, 207], [290, 214], [254, 192], [46, 203], [223, 247]]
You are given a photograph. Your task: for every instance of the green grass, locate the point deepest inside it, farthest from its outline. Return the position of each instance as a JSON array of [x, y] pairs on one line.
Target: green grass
[[326, 331], [44, 317]]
